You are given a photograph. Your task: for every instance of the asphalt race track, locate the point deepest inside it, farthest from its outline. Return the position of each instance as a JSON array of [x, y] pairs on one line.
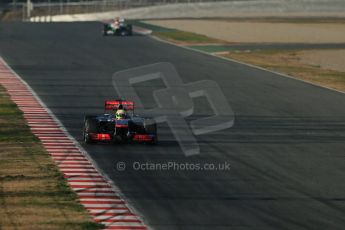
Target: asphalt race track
[[286, 148]]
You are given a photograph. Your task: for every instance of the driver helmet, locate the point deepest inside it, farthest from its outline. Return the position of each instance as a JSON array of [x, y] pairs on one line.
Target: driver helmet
[[120, 112]]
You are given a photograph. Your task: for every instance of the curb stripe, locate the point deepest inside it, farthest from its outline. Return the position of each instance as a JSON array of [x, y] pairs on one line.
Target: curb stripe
[[95, 193]]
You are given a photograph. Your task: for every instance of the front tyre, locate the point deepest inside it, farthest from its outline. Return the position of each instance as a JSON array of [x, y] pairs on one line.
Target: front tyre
[[129, 30]]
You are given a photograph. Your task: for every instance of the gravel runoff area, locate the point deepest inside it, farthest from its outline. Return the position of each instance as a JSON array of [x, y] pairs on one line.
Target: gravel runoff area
[[326, 59], [257, 32], [300, 32]]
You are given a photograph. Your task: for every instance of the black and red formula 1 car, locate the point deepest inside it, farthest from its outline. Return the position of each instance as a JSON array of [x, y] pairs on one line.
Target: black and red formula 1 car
[[108, 128]]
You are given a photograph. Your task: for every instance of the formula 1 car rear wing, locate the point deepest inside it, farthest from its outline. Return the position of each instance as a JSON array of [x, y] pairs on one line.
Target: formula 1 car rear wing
[[113, 105]]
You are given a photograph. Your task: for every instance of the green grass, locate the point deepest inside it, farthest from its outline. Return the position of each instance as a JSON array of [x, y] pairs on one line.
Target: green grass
[[175, 35], [148, 26], [33, 192]]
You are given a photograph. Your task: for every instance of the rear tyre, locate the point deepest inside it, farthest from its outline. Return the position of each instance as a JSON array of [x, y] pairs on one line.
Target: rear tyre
[[153, 142], [150, 127], [90, 126], [87, 139]]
